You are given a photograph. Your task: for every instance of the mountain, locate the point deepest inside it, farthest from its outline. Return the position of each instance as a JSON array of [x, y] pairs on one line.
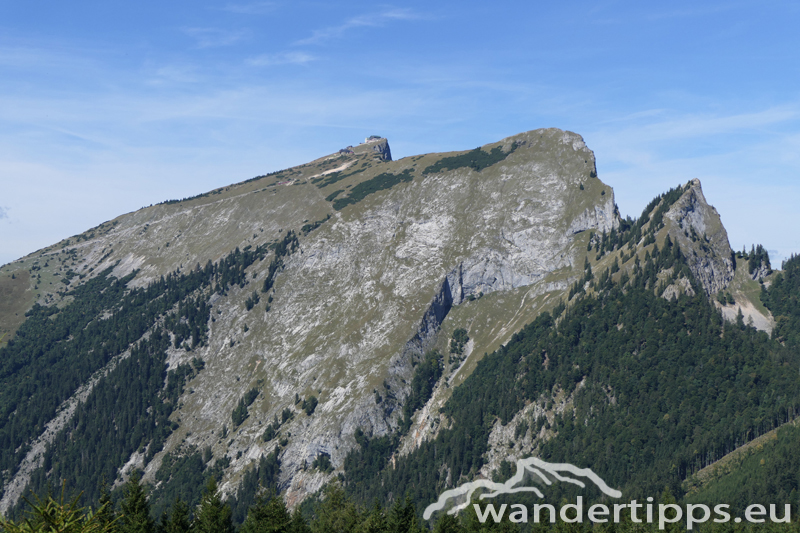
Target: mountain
[[342, 317]]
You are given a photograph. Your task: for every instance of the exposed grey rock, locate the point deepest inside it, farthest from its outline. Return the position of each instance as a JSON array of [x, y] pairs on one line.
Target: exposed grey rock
[[602, 218], [761, 271], [681, 286], [382, 148], [709, 256]]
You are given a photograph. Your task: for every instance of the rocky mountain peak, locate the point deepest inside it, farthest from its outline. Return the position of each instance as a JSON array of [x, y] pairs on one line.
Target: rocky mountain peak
[[697, 228]]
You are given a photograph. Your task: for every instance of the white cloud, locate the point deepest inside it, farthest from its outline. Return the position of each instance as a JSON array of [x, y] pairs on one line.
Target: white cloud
[[283, 58], [369, 20], [3, 212]]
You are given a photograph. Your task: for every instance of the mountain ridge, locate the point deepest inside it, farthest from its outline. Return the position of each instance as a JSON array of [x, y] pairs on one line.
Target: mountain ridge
[[342, 300]]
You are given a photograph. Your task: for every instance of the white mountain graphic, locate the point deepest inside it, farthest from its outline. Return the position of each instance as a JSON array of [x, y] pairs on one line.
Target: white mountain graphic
[[525, 467]]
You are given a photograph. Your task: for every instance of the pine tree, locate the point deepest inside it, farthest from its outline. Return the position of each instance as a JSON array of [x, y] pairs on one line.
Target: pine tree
[[337, 513], [376, 521], [267, 516], [298, 523], [178, 521], [447, 523], [106, 515], [403, 517], [213, 515], [49, 515], [135, 510]]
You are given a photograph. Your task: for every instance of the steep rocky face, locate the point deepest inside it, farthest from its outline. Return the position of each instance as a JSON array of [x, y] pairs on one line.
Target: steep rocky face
[[703, 239], [381, 147], [367, 293]]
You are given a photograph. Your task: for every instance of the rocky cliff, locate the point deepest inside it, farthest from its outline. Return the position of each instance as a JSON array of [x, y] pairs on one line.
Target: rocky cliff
[[703, 238]]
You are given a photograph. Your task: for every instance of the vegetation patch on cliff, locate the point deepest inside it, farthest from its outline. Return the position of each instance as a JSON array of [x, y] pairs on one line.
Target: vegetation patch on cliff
[[475, 159], [380, 182]]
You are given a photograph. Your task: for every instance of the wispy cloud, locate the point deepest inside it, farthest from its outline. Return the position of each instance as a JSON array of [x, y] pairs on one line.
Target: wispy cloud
[[250, 8], [214, 37], [745, 159], [3, 212], [701, 125], [283, 58], [651, 142], [50, 56], [362, 21]]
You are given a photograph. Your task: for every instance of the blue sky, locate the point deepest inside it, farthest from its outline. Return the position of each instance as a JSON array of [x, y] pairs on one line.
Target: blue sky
[[108, 106]]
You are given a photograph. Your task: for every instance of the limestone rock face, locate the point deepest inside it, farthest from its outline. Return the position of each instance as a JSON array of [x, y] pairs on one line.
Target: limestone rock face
[[602, 218], [702, 237], [419, 245], [379, 283]]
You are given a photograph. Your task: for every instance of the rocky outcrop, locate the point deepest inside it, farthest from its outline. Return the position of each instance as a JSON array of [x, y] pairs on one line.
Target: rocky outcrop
[[761, 271], [382, 149], [681, 286], [698, 230], [601, 218]]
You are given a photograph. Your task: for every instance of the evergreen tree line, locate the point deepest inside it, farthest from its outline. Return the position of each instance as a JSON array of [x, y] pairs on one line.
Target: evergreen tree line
[[334, 512], [386, 180], [758, 256], [766, 473], [476, 159], [283, 248], [427, 373], [630, 232], [783, 301]]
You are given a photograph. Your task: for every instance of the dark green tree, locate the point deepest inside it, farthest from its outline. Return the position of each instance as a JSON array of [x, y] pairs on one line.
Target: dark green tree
[[309, 405], [298, 523], [336, 514], [375, 521], [267, 516], [213, 515], [106, 514], [134, 508], [447, 523], [178, 520], [403, 517]]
